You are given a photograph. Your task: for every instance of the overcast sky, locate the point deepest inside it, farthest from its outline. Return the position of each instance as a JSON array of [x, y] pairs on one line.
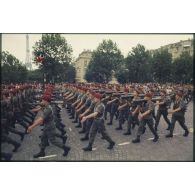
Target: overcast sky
[[15, 43]]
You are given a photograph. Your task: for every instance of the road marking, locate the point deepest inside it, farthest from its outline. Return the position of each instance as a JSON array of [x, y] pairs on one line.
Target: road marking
[[70, 129], [151, 138], [191, 130], [50, 156], [124, 143], [94, 149]]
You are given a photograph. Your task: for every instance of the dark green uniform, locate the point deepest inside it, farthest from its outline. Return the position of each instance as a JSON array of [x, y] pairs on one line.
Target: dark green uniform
[[122, 113], [148, 119], [98, 125], [163, 110], [87, 124], [132, 119], [179, 116], [49, 129]]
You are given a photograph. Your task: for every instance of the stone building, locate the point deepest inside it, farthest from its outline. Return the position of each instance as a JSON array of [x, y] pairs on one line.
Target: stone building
[[176, 49], [81, 64]]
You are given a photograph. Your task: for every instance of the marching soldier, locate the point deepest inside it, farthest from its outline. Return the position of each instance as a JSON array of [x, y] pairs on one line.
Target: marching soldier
[[80, 107], [114, 107], [162, 110], [178, 114], [146, 110], [123, 107], [107, 106], [133, 113], [49, 128], [88, 122], [98, 124], [83, 109]]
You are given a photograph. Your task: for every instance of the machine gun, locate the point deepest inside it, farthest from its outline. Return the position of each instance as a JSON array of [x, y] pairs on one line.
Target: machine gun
[[143, 101]]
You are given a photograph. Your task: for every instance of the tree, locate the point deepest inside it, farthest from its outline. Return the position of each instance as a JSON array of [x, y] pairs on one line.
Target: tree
[[35, 75], [105, 58], [162, 66], [122, 75], [183, 68], [138, 62], [12, 70], [57, 56]]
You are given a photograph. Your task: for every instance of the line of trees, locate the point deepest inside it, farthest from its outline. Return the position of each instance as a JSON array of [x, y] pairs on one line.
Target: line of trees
[[140, 65], [12, 70]]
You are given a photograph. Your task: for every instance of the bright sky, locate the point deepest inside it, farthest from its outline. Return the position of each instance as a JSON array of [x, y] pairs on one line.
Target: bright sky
[[15, 43]]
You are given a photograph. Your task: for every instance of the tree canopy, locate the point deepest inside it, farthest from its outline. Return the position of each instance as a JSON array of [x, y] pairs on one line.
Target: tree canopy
[[57, 58], [105, 58], [12, 70]]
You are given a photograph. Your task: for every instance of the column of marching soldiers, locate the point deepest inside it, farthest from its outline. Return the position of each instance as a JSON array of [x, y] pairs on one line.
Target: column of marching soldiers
[[89, 105]]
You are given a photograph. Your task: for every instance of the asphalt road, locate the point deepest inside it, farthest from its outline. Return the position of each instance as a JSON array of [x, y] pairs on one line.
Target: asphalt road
[[178, 148]]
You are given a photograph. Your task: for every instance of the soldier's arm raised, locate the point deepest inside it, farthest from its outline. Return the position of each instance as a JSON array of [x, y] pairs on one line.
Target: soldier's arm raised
[[86, 111], [109, 102], [122, 106], [92, 115], [37, 122], [136, 110]]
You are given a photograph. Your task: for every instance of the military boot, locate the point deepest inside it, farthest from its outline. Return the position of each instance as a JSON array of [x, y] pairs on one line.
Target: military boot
[[16, 146], [66, 150], [88, 148], [136, 140], [155, 138], [40, 154], [128, 132], [186, 133], [111, 145]]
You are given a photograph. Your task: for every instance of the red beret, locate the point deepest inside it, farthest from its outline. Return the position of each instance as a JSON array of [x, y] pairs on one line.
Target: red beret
[[98, 96], [148, 95], [179, 93], [126, 90], [46, 98]]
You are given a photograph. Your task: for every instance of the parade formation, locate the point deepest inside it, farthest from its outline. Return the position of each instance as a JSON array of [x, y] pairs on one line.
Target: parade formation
[[90, 105]]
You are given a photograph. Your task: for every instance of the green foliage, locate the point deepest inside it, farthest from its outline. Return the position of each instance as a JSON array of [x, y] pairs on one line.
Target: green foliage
[[12, 70], [183, 68], [57, 57], [162, 66], [138, 62], [122, 75], [141, 66], [35, 75], [105, 58]]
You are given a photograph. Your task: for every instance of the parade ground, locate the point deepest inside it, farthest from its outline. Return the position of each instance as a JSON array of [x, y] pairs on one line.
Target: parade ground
[[178, 148]]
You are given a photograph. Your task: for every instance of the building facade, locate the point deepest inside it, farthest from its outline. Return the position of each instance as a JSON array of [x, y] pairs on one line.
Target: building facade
[[81, 64], [176, 49]]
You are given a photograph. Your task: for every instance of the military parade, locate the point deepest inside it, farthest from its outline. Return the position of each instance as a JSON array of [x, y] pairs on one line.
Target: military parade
[[97, 97], [92, 107], [104, 105]]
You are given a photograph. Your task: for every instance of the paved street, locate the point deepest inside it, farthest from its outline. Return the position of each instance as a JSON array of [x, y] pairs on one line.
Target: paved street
[[178, 148]]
